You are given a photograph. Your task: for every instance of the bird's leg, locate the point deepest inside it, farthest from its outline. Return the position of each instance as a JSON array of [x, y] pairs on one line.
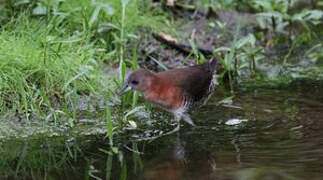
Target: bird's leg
[[178, 121], [187, 119]]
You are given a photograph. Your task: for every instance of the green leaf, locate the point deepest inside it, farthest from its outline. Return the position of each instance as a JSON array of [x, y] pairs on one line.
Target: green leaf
[[313, 16], [108, 9], [39, 10], [164, 67], [115, 150], [229, 59], [95, 15], [124, 2], [261, 4], [21, 2], [133, 124], [133, 111], [134, 99], [226, 49], [109, 125], [250, 39], [122, 71], [226, 100], [109, 164], [123, 174]]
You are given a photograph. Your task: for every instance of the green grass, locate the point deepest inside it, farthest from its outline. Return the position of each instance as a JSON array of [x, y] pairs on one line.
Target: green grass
[[53, 51], [41, 70]]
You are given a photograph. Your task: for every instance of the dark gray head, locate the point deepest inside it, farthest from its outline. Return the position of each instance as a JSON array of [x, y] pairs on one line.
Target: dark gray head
[[139, 80]]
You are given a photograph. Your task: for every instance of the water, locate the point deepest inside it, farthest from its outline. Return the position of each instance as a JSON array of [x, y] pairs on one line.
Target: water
[[280, 137]]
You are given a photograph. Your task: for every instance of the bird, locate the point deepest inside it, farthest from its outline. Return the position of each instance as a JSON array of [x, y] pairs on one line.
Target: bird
[[178, 91]]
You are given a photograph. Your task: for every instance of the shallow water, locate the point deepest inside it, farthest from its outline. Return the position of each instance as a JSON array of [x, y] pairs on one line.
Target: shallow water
[[281, 137]]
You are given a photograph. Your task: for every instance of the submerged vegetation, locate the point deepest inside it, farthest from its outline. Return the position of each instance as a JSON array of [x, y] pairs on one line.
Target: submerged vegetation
[[61, 58]]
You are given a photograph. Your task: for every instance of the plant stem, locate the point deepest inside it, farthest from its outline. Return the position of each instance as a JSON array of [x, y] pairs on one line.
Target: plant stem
[[121, 53]]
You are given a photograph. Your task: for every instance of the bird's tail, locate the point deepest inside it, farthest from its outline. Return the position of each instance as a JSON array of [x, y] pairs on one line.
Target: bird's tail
[[212, 64]]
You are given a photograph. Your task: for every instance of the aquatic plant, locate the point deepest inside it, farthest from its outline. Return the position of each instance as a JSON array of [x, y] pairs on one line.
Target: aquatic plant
[[240, 54]]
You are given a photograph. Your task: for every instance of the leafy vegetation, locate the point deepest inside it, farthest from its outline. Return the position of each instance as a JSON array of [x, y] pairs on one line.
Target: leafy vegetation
[[54, 52], [42, 70]]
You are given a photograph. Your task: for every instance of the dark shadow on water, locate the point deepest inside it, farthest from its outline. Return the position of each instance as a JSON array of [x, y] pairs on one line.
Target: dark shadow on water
[[281, 139]]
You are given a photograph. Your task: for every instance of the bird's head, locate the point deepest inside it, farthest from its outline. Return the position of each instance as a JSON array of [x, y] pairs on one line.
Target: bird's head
[[139, 80]]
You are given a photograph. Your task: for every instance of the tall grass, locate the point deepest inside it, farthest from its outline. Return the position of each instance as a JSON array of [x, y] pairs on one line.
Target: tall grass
[[53, 51], [42, 70]]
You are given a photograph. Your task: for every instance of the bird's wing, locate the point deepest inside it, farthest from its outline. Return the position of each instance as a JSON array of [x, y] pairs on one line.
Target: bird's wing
[[193, 80]]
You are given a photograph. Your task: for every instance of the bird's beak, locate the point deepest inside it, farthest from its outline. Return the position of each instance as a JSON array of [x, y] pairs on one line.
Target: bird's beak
[[125, 88]]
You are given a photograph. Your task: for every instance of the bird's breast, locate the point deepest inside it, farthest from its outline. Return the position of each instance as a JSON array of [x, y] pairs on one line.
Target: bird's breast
[[168, 97]]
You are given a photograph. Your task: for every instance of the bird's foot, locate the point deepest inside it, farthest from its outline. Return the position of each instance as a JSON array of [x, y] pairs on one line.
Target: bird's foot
[[188, 119]]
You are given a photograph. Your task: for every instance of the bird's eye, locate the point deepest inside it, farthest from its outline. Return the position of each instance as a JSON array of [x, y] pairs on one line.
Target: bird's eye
[[134, 82]]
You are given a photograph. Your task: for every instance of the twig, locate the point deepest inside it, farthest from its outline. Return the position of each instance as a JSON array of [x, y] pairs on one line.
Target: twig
[[184, 48]]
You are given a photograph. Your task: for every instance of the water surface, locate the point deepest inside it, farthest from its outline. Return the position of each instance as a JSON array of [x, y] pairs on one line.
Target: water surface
[[281, 137]]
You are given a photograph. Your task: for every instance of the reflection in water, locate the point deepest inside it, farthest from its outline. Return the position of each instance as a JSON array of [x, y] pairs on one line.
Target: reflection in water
[[282, 139], [178, 163], [170, 167], [42, 159]]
